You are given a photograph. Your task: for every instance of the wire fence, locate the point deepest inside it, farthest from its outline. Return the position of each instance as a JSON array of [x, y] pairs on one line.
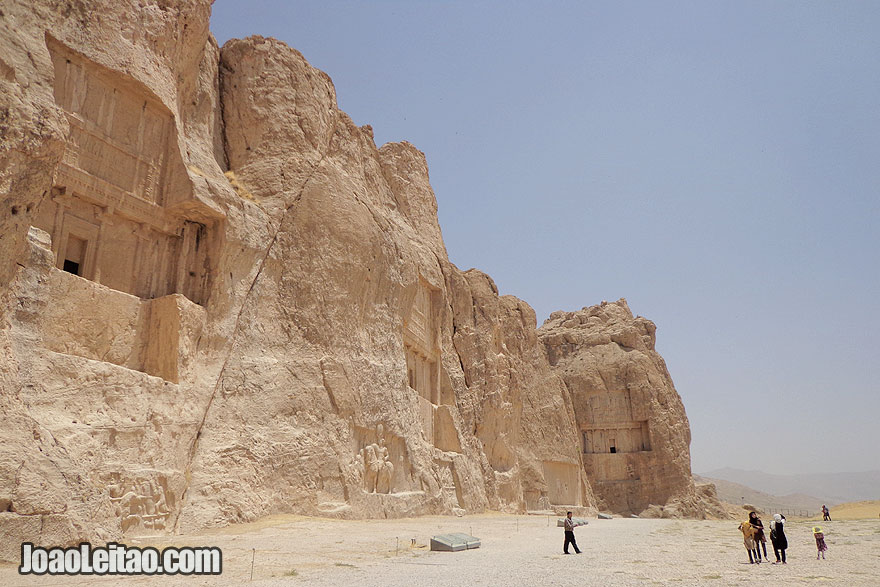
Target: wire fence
[[794, 513], [787, 512]]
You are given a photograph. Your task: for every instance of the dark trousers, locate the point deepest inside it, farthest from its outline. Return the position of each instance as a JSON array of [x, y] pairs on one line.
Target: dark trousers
[[569, 538], [777, 551]]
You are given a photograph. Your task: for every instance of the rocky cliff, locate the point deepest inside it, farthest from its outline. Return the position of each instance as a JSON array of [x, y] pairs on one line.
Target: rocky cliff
[[222, 300], [634, 430]]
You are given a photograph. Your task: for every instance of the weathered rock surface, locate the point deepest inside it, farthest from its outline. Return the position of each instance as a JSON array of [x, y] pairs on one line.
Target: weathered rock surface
[[221, 300], [634, 429], [90, 91], [351, 336]]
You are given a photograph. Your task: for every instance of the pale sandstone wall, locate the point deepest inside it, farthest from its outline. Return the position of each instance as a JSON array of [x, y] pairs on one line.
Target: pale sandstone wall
[[519, 410], [94, 445], [634, 431], [350, 327], [32, 128], [288, 338]]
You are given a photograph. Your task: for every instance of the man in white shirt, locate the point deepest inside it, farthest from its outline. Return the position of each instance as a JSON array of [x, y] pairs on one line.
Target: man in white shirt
[[569, 535]]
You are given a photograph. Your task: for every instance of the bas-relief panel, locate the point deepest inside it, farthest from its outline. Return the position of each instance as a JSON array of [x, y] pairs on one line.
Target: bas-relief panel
[[608, 407], [381, 459], [384, 467], [141, 501], [447, 478], [610, 467], [420, 323]]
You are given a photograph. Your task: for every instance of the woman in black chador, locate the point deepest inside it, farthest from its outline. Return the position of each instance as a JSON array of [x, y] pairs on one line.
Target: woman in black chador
[[760, 539], [777, 537]]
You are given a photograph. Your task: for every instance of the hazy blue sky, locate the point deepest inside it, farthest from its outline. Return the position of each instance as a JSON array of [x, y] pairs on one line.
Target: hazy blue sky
[[716, 164]]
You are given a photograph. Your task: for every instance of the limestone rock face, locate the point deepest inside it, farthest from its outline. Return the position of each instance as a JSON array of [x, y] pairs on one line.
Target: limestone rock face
[[349, 337], [520, 412], [634, 430], [32, 128], [221, 300], [107, 111]]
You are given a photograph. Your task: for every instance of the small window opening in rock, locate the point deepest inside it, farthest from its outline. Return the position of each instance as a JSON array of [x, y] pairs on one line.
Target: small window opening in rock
[[71, 266], [613, 449], [192, 273], [14, 210]]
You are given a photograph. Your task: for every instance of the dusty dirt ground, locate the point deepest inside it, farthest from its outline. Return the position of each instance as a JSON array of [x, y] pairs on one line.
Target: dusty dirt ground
[[516, 550]]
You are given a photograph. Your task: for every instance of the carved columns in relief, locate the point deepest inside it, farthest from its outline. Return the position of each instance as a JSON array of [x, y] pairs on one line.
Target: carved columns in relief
[[62, 201], [142, 245], [105, 218]]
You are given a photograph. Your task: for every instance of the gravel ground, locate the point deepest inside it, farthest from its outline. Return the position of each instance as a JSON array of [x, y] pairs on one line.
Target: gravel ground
[[516, 550]]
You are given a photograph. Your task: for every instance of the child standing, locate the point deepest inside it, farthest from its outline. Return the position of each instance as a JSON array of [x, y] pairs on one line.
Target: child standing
[[820, 542]]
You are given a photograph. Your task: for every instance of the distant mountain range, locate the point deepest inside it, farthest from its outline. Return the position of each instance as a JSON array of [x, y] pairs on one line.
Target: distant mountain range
[[734, 493], [799, 490]]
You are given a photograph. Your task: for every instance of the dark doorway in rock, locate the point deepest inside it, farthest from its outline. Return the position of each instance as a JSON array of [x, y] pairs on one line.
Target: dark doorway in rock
[[71, 266]]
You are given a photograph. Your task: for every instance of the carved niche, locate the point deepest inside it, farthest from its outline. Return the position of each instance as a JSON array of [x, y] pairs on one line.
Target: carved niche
[[378, 468], [381, 460], [563, 483]]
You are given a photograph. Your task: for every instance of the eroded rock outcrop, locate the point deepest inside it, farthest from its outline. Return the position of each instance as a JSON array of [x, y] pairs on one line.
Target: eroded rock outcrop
[[221, 300], [634, 430], [519, 411]]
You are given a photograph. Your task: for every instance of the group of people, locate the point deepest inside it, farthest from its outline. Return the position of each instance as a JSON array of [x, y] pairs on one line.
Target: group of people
[[755, 541], [753, 537]]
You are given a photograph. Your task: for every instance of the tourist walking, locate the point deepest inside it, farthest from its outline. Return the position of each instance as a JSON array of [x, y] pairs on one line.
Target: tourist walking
[[777, 537], [760, 538], [821, 547], [569, 535], [826, 513]]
